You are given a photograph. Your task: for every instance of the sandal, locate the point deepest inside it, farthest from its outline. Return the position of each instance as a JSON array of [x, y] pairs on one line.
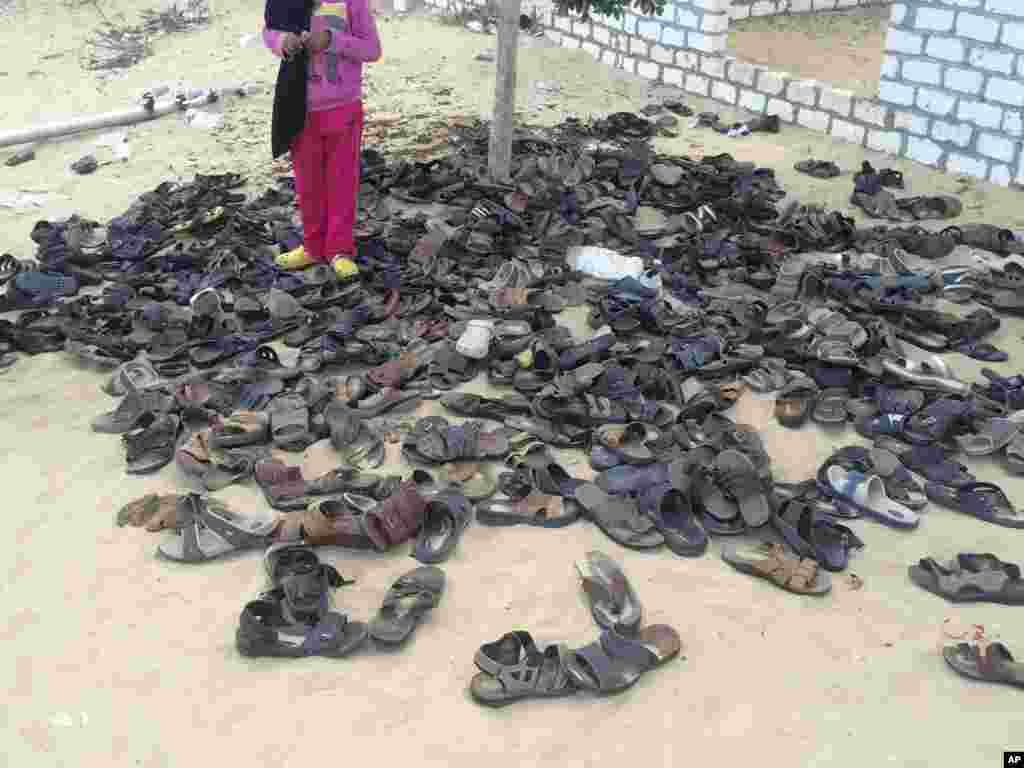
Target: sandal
[[513, 668], [211, 530], [613, 603], [800, 576], [408, 600], [992, 663], [150, 445], [615, 662], [1001, 584]]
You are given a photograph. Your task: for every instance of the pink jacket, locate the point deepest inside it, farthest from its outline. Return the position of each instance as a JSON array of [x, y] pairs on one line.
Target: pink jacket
[[336, 74]]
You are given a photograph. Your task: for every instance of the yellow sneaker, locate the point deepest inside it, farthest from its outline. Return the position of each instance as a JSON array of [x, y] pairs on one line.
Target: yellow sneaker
[[294, 259], [525, 359], [345, 267]]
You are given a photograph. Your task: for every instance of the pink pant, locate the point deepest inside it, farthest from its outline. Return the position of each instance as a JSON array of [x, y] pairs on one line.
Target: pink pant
[[325, 158]]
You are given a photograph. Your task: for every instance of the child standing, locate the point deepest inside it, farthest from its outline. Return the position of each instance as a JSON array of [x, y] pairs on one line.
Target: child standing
[[341, 37]]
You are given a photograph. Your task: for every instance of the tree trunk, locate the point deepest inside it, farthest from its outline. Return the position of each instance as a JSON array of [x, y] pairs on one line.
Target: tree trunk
[[499, 156]]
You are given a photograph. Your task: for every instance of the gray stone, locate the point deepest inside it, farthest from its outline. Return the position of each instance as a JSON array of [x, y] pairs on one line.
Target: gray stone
[[672, 76], [923, 150], [689, 59], [970, 166], [964, 80], [638, 47], [602, 35], [996, 146], [715, 23], [648, 70], [662, 55]]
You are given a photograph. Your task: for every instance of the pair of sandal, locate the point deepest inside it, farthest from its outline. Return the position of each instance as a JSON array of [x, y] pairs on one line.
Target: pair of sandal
[[293, 620], [514, 668]]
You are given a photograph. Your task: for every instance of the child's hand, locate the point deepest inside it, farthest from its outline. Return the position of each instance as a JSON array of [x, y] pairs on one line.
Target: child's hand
[[317, 42], [290, 44]]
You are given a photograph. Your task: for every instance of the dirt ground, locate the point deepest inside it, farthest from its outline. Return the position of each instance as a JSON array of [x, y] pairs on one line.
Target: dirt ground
[[117, 658], [844, 48]]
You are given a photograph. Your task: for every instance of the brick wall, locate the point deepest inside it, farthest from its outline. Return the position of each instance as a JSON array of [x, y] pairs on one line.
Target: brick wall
[[951, 91], [954, 77], [743, 9]]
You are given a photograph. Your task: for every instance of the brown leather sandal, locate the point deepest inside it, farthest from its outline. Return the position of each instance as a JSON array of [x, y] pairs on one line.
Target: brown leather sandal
[[802, 577]]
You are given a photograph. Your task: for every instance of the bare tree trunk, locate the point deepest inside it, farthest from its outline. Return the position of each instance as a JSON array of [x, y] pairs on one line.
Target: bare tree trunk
[[499, 156]]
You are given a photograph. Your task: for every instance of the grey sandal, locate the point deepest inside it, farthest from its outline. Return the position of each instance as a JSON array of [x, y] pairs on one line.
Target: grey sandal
[[613, 603], [615, 662], [410, 598], [513, 668]]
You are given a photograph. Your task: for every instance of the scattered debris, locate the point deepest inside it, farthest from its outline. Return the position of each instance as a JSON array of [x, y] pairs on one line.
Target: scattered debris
[[485, 56], [114, 47], [199, 118], [21, 156], [854, 582], [85, 165]]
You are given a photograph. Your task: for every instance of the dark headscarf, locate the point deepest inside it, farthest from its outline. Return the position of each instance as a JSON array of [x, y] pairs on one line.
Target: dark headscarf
[[289, 116]]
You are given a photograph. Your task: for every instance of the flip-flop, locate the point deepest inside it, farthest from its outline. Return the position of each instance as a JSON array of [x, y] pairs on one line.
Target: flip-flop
[[618, 517], [407, 602], [613, 603], [992, 663], [867, 493]]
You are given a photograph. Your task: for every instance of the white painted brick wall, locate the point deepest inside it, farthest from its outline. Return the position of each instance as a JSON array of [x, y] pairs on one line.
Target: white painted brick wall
[[963, 80], [935, 19], [672, 76], [800, 6], [706, 43], [752, 100], [824, 5], [923, 150], [713, 67], [936, 102], [593, 49], [955, 133], [922, 71], [885, 141], [662, 55], [803, 92], [980, 113], [975, 27], [783, 109], [570, 42], [697, 84], [602, 35], [638, 47], [609, 57], [715, 23], [998, 147], [869, 112], [563, 23], [1005, 91], [553, 35], [850, 132], [971, 166], [688, 59], [741, 72], [946, 48], [836, 100], [648, 70], [628, 63], [724, 92], [813, 119], [911, 121], [772, 83]]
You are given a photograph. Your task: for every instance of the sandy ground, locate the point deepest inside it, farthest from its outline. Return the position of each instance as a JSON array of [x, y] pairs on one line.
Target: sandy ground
[[844, 48], [117, 658]]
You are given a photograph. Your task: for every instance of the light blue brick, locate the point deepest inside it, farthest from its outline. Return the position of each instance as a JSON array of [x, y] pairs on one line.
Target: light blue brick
[[963, 80], [668, 13], [946, 48], [673, 37], [649, 30], [629, 23]]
